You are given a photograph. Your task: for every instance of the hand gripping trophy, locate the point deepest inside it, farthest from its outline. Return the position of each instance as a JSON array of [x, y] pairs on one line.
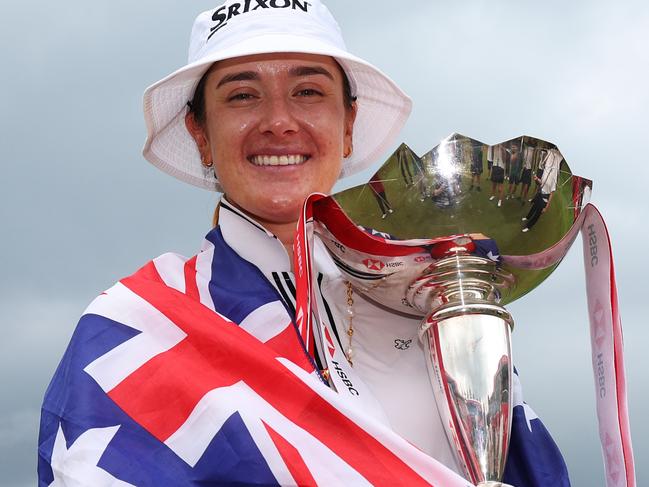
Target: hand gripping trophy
[[456, 235]]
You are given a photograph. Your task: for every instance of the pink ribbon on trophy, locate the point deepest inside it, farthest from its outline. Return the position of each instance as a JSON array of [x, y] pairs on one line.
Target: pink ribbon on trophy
[[606, 338], [302, 262], [605, 325]]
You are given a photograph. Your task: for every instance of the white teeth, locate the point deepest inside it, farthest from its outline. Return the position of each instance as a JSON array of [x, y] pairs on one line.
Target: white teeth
[[288, 160]]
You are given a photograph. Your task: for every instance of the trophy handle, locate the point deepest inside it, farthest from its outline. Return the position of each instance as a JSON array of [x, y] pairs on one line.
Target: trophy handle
[[470, 366]]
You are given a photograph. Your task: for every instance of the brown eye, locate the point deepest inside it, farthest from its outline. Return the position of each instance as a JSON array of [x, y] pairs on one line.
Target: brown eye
[[241, 97], [308, 92]]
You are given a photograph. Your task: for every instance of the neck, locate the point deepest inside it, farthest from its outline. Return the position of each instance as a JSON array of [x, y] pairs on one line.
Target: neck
[[285, 232]]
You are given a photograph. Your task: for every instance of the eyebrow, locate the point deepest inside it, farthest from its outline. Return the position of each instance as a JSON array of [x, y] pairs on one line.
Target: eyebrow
[[299, 71], [242, 76], [296, 72]]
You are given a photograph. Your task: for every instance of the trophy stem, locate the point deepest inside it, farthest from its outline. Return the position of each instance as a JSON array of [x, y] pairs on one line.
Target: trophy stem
[[468, 340]]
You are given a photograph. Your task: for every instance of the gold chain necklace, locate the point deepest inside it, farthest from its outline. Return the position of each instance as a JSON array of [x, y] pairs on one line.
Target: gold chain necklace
[[349, 352]]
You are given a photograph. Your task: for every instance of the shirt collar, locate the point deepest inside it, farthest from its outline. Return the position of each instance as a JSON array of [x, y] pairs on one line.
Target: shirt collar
[[251, 240]]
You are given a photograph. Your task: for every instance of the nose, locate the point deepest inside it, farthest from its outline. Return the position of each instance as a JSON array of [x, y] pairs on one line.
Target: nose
[[277, 117]]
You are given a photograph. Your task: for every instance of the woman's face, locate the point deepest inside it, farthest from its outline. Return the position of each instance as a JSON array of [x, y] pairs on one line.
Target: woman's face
[[276, 128]]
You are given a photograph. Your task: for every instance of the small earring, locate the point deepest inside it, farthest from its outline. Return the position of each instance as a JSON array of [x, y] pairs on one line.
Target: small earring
[[206, 162], [348, 152]]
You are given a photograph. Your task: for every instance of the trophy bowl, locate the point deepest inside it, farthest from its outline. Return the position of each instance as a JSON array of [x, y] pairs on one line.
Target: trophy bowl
[[445, 237]]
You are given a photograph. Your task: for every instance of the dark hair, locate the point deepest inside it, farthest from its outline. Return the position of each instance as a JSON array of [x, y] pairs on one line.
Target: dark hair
[[348, 98], [197, 104]]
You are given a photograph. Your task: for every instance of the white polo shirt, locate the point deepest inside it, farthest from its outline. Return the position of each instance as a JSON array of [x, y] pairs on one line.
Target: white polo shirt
[[528, 157], [499, 156], [389, 365], [550, 176]]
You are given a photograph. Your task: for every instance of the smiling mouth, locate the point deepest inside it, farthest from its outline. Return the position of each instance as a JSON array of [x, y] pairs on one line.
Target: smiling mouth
[[285, 160]]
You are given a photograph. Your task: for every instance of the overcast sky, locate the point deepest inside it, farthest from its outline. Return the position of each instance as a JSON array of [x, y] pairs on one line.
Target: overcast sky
[[81, 208]]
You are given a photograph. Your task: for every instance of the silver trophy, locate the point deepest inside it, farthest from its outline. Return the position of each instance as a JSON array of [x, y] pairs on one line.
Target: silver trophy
[[441, 233]]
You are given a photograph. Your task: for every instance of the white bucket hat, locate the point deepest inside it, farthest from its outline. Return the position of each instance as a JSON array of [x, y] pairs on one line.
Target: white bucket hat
[[246, 27]]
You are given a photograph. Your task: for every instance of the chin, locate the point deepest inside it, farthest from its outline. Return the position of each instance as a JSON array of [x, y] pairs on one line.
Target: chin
[[273, 209], [284, 209]]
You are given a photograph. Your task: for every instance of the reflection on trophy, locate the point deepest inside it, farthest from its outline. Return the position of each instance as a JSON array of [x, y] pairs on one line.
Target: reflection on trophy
[[439, 236]]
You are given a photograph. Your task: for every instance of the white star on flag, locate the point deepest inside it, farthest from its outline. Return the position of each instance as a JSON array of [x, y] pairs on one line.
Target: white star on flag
[[518, 401], [77, 466], [493, 257]]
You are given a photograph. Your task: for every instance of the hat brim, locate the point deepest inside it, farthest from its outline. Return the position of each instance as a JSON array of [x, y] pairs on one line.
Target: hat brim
[[382, 108]]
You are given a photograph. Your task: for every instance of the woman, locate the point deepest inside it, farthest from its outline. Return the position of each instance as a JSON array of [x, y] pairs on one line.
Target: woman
[[191, 371], [515, 170], [498, 173]]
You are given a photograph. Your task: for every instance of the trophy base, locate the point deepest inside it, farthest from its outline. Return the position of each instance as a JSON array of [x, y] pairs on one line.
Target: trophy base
[[492, 483]]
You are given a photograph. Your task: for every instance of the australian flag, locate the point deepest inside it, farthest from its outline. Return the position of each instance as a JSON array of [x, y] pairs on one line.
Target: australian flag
[[191, 372]]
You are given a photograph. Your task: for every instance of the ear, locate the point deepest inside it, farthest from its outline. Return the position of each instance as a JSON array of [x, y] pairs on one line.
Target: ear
[[350, 117], [199, 135]]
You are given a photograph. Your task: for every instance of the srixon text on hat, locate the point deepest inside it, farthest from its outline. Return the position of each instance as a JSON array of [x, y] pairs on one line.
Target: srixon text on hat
[[226, 12]]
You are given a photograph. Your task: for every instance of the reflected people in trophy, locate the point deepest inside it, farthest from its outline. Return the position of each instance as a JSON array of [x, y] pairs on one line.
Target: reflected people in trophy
[[412, 172], [378, 189], [476, 166], [444, 193], [526, 176], [441, 179], [447, 181], [490, 159], [515, 169], [542, 153], [498, 173], [410, 167], [547, 185]]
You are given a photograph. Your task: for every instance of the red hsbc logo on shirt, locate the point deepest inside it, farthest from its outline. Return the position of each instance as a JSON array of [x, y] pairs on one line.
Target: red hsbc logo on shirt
[[374, 265]]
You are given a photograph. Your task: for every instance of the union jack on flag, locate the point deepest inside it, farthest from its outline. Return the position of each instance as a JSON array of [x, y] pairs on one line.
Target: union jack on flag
[[191, 372]]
